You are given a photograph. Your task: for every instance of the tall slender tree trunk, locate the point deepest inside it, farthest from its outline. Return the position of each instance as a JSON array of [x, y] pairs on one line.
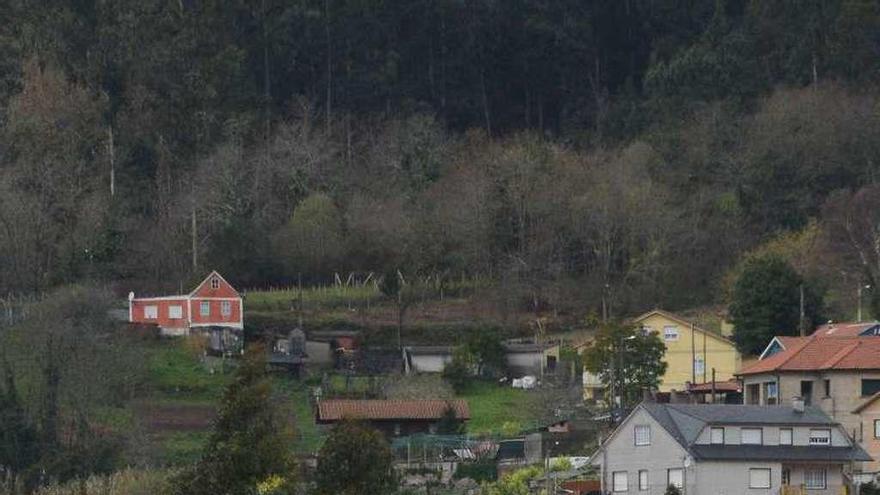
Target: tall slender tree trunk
[[329, 103], [486, 114], [112, 155], [194, 240]]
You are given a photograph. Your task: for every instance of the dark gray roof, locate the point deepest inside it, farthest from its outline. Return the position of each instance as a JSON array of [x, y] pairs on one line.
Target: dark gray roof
[[660, 413], [422, 350], [517, 347], [685, 422], [511, 449], [743, 414], [779, 453]]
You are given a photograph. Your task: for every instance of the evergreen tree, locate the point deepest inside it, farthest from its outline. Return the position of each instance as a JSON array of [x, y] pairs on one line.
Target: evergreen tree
[[449, 423], [354, 460], [18, 438], [248, 445], [766, 302]]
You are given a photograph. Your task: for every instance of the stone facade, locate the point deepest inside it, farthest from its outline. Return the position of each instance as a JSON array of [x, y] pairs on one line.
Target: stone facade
[[844, 395]]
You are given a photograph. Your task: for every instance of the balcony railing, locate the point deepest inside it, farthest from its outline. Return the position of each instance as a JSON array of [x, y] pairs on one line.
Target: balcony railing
[[801, 490]]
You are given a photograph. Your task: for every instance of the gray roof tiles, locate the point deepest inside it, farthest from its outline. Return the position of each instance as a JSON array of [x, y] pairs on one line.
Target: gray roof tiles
[[685, 422], [744, 414], [779, 453]]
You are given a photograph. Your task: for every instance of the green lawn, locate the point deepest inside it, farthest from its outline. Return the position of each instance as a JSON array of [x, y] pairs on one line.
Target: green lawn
[[308, 437], [179, 382], [492, 406], [181, 447], [176, 372]]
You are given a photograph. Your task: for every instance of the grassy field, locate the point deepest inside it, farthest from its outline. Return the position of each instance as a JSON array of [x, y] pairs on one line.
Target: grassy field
[[492, 406], [308, 437], [184, 393], [175, 371]]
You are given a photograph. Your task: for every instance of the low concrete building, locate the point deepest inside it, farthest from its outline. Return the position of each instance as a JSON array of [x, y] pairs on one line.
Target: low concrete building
[[530, 358], [727, 450], [426, 358], [522, 358]]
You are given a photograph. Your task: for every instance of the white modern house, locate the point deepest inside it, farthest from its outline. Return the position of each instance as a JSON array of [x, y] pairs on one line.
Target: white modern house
[[719, 449]]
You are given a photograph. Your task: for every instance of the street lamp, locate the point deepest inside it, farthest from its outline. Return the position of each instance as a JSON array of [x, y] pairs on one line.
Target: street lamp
[[859, 314], [620, 378]]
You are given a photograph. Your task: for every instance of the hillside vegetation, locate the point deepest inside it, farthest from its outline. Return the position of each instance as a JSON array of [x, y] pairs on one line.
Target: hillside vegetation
[[588, 156]]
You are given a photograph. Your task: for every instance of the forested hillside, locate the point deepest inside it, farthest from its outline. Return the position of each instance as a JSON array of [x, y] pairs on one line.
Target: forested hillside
[[631, 151]]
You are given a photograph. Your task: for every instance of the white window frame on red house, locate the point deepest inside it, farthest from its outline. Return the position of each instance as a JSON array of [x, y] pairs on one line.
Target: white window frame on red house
[[205, 308], [226, 308], [175, 312], [215, 283], [151, 312]]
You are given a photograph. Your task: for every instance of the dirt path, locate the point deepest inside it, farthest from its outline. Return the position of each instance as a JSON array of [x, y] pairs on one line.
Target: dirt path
[[165, 417]]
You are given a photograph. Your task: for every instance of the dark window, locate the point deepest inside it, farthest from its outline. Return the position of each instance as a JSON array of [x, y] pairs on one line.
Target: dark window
[[551, 363], [870, 387], [807, 391], [827, 388]]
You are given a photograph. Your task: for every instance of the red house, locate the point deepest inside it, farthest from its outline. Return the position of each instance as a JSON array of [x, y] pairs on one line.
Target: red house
[[214, 304]]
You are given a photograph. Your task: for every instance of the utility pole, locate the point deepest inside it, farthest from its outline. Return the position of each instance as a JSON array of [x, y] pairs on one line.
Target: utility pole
[[859, 292], [299, 290], [693, 357], [112, 154], [705, 357], [195, 241], [713, 385], [801, 321]]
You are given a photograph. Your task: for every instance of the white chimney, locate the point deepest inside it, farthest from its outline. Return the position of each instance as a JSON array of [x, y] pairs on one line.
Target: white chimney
[[797, 403]]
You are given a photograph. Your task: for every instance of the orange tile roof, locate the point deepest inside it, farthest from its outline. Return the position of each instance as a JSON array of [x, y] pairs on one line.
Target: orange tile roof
[[720, 386], [338, 409], [843, 329], [821, 353]]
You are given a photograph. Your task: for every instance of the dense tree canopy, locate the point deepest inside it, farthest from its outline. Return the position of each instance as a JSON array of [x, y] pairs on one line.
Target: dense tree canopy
[[355, 459], [766, 302], [249, 445], [576, 152], [629, 360]]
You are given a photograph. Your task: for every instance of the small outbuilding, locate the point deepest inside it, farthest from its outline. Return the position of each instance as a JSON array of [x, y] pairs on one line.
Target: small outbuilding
[[394, 417]]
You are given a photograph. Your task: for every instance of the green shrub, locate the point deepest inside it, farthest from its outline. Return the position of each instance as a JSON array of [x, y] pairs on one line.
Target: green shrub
[[672, 490], [480, 471]]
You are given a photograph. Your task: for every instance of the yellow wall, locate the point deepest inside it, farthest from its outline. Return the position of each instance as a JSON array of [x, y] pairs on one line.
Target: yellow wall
[[719, 353]]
